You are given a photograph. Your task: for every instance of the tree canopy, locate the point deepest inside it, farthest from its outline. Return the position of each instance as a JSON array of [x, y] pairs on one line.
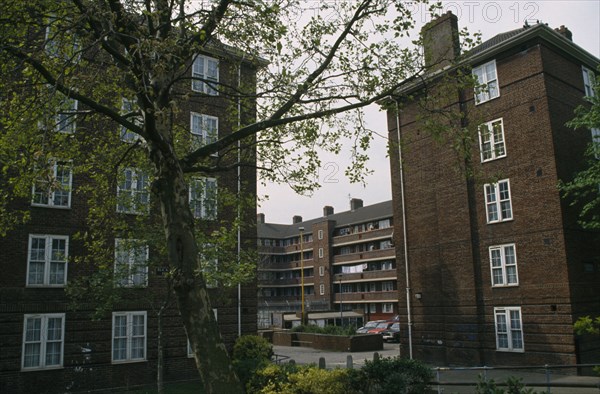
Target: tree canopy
[[292, 80]]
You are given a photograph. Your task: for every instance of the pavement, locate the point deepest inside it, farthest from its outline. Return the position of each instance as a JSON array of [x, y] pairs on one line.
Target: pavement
[[452, 380]]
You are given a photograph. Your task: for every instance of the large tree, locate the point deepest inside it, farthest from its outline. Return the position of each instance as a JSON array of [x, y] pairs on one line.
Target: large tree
[[315, 61]]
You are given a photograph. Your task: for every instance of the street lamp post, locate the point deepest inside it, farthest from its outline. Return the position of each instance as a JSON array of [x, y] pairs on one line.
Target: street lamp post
[[301, 229]]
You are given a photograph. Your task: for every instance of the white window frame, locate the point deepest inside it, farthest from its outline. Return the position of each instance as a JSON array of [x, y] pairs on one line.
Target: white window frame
[[387, 307], [497, 200], [48, 260], [202, 82], [42, 340], [508, 322], [204, 130], [320, 253], [203, 205], [494, 146], [503, 265], [588, 81], [50, 191], [320, 234], [131, 263], [129, 336], [66, 116], [321, 271], [322, 289], [488, 88], [208, 265], [137, 195], [128, 106], [387, 286], [372, 307]]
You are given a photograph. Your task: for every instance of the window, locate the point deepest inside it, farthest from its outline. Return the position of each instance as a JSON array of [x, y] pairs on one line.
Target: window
[[131, 262], [209, 264], [387, 244], [190, 352], [498, 206], [503, 261], [43, 341], [203, 198], [47, 264], [321, 289], [491, 140], [205, 75], [387, 286], [321, 271], [372, 307], [132, 192], [204, 129], [509, 329], [320, 253], [128, 108], [387, 307], [387, 265], [487, 81], [129, 336], [386, 223], [588, 82], [66, 116], [320, 234], [53, 189]]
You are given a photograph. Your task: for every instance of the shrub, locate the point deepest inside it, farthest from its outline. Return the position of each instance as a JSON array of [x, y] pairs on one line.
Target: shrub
[[250, 353], [392, 375], [514, 385], [329, 330]]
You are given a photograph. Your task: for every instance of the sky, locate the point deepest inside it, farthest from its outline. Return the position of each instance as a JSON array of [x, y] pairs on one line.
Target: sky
[[279, 203]]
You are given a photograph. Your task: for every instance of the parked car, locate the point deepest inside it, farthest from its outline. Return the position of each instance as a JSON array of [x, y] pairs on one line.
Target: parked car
[[392, 334], [371, 324], [381, 327]]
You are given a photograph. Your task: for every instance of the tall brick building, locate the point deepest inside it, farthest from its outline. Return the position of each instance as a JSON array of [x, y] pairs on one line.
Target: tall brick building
[[348, 260], [499, 269], [48, 347]]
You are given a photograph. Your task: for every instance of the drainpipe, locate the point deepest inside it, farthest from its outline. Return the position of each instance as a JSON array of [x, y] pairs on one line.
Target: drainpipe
[[404, 235]]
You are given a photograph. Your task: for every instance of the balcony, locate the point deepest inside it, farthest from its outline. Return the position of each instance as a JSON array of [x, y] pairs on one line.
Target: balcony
[[363, 236], [391, 296], [368, 255], [290, 265]]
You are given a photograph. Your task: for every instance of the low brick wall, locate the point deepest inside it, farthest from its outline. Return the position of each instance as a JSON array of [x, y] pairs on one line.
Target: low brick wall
[[355, 343]]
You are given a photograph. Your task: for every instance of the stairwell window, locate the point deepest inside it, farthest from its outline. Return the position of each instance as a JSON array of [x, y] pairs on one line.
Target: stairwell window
[[503, 263], [47, 265], [129, 337], [66, 116], [131, 263], [203, 198], [53, 188], [498, 204], [588, 81], [204, 129], [205, 75], [133, 195], [491, 140], [43, 341], [129, 109], [509, 329], [487, 82]]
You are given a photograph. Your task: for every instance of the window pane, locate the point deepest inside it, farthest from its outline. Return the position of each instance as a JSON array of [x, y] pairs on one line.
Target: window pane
[[31, 358], [36, 273]]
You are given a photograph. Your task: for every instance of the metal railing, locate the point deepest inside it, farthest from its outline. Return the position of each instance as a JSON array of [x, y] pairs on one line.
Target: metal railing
[[529, 379]]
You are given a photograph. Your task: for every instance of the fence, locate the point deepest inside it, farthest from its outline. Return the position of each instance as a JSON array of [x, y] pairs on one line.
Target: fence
[[539, 377]]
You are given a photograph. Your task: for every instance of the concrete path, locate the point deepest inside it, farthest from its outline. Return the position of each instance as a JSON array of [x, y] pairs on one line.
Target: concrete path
[[451, 379]]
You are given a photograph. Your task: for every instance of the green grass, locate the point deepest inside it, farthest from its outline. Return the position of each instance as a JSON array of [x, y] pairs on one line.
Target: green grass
[[194, 387]]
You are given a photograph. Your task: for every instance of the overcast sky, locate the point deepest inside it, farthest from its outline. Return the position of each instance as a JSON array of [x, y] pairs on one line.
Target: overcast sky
[[488, 17]]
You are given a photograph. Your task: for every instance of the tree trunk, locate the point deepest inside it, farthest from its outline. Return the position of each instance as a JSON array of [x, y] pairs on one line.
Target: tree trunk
[[211, 356]]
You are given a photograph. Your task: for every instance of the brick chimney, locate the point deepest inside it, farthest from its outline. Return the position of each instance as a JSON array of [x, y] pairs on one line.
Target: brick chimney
[[296, 219], [327, 210], [356, 203], [440, 41], [260, 218], [562, 30]]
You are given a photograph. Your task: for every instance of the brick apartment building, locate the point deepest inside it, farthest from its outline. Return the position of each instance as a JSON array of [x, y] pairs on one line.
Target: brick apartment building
[[48, 347], [499, 269], [349, 267]]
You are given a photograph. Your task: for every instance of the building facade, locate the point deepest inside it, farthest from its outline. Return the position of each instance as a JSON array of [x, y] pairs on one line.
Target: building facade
[[49, 347], [498, 268], [348, 266]]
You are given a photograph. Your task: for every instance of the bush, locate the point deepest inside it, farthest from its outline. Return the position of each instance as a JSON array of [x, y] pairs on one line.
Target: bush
[[392, 375], [291, 379], [250, 353], [514, 385]]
